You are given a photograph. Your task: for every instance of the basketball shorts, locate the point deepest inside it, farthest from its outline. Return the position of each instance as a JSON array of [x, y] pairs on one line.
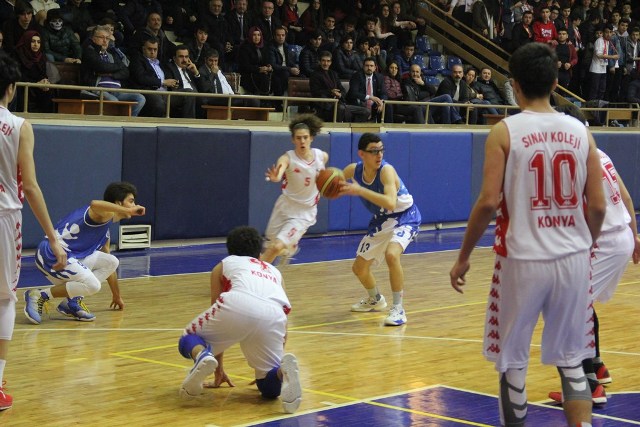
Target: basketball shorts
[[609, 259], [289, 221], [521, 290], [78, 270], [10, 253]]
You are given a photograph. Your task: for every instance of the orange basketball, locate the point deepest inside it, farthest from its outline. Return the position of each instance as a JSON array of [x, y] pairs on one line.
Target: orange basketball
[[329, 182]]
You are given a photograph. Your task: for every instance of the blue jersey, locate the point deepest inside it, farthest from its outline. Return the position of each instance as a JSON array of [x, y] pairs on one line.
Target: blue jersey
[[78, 234]]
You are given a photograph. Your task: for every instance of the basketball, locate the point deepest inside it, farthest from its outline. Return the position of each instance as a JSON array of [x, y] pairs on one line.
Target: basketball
[[329, 182]]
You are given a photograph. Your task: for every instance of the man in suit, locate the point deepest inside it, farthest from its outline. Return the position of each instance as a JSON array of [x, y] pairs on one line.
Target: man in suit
[[188, 79], [154, 29], [238, 24], [214, 81], [366, 89], [219, 36], [266, 21], [280, 62]]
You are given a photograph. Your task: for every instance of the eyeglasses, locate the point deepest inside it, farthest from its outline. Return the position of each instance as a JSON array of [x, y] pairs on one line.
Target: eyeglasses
[[375, 152], [101, 37]]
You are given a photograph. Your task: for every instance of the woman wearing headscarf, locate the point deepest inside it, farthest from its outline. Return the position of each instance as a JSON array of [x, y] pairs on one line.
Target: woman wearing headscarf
[[33, 66], [254, 64]]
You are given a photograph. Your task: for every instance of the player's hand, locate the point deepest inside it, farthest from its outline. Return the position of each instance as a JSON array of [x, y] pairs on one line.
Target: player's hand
[[117, 303], [221, 377], [636, 251], [351, 188], [60, 254], [457, 275], [137, 210], [272, 173]]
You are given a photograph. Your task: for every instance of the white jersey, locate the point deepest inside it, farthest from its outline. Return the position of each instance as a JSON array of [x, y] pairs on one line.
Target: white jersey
[[541, 213], [251, 276], [10, 183], [299, 180], [617, 216]]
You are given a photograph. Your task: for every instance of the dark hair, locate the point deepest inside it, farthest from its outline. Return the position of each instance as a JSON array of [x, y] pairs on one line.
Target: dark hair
[[9, 73], [244, 241], [608, 27], [53, 14], [310, 122], [118, 191], [366, 139], [151, 39], [325, 54], [398, 74], [201, 27], [369, 59], [21, 7], [471, 68], [535, 67], [211, 53]]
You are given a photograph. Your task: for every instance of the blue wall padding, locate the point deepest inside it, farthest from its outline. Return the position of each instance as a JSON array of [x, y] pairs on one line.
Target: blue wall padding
[[202, 181], [340, 157], [477, 163], [624, 151], [73, 165], [139, 166]]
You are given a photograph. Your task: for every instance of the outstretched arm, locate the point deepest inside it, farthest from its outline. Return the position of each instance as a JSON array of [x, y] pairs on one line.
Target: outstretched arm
[[102, 211], [276, 172]]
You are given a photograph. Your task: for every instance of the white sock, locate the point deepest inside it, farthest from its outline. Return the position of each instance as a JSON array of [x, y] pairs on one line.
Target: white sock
[[3, 363]]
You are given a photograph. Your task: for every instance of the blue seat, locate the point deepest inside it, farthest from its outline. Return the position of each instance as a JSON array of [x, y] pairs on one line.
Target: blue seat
[[423, 45], [418, 60], [451, 61], [432, 80], [293, 53], [436, 65]]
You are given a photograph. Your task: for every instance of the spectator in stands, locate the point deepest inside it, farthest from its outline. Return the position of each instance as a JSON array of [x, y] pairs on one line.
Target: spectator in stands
[[588, 27], [602, 54], [567, 58], [330, 35], [476, 97], [575, 36], [488, 88], [312, 20], [386, 40], [543, 29], [482, 21], [6, 11], [609, 10], [618, 74], [564, 20], [325, 83], [238, 27], [33, 67], [116, 37], [581, 9], [309, 57], [146, 72], [416, 89], [281, 64], [153, 29], [198, 44], [76, 15], [632, 53], [219, 35], [214, 81], [461, 10], [344, 60], [366, 89], [348, 29], [59, 42], [522, 32], [385, 24], [179, 16], [403, 24], [292, 23], [40, 9], [458, 90], [101, 9], [411, 113], [279, 10], [135, 14], [633, 93], [188, 78], [365, 51], [22, 22], [253, 64], [509, 94], [266, 22], [104, 69], [406, 59]]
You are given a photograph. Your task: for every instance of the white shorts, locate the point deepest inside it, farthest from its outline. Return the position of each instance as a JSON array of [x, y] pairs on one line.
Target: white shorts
[[520, 291], [10, 253], [609, 259], [289, 221], [373, 246], [99, 265], [259, 326]]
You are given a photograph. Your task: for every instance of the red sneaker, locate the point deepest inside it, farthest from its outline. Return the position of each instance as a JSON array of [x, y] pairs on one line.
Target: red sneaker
[[5, 400], [602, 374], [599, 397]]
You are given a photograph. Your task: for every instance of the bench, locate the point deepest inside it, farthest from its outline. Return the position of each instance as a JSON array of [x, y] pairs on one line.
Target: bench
[[92, 107], [298, 87], [221, 112], [492, 119]]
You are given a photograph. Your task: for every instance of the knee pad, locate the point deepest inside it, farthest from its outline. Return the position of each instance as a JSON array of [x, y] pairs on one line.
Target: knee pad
[[188, 342], [574, 383], [89, 286], [7, 318], [513, 397], [270, 385]]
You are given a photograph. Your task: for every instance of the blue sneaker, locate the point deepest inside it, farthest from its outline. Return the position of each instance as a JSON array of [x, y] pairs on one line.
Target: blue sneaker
[[35, 300], [76, 308], [203, 366]]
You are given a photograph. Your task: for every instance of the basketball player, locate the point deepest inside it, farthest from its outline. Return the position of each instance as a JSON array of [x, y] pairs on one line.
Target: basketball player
[[250, 307], [17, 180], [394, 224], [539, 167], [85, 237], [296, 208]]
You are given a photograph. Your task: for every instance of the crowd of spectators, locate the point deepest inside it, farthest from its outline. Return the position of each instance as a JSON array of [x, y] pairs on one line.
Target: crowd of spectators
[[369, 43]]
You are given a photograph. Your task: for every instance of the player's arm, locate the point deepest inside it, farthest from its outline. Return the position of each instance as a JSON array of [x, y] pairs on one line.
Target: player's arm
[[102, 211], [349, 171], [387, 200], [275, 172], [628, 203], [216, 282], [34, 195], [325, 157], [116, 300], [594, 191], [495, 159]]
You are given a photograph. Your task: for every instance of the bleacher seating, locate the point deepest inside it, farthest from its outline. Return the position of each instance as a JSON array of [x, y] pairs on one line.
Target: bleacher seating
[[423, 45], [451, 61], [436, 65]]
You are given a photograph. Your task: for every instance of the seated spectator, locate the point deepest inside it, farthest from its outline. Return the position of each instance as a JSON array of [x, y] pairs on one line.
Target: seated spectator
[[309, 57], [238, 28], [116, 36], [403, 25], [567, 58], [266, 21], [330, 35], [101, 9], [60, 43], [253, 64], [281, 63], [412, 113], [488, 88], [371, 32], [153, 29], [292, 23], [416, 89], [325, 83], [33, 67], [135, 15], [348, 29], [385, 24], [365, 51], [312, 20], [214, 81], [476, 97], [366, 89], [188, 79], [219, 34], [76, 15], [179, 16], [405, 61], [104, 69], [344, 61], [198, 44], [15, 27], [40, 9], [543, 29]]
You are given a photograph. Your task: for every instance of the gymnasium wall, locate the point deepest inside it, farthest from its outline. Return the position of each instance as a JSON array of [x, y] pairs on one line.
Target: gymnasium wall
[[201, 182]]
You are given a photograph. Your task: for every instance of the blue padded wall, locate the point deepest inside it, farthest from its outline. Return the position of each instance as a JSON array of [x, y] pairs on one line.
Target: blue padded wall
[[74, 165], [624, 150], [477, 163], [339, 157], [202, 181]]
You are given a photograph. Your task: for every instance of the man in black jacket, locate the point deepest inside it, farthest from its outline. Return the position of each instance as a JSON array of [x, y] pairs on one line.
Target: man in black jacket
[[366, 89], [188, 79], [309, 57], [280, 62], [457, 89]]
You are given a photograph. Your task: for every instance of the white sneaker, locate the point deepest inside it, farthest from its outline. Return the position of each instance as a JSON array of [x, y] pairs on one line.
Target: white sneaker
[[291, 393], [204, 366], [370, 304], [396, 316]]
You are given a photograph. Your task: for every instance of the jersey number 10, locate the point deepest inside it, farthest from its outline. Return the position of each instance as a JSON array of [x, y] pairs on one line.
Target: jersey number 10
[[563, 180]]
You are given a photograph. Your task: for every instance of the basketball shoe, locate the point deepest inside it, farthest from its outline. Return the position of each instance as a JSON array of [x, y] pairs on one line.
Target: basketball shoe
[[6, 401], [396, 316], [370, 304], [204, 365], [76, 308], [291, 394], [35, 300], [599, 396], [602, 373]]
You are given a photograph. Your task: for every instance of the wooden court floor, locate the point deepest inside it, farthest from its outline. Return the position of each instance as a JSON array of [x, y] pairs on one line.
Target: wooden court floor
[[124, 369]]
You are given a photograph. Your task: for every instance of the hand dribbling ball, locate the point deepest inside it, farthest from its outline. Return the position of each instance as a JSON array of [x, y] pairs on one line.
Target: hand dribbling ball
[[329, 182]]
